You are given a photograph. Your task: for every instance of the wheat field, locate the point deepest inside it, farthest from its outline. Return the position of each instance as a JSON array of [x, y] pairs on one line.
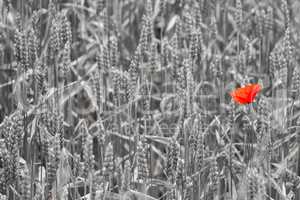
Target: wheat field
[[133, 100]]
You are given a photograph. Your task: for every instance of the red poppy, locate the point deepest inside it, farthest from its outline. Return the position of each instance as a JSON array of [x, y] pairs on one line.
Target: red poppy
[[246, 94]]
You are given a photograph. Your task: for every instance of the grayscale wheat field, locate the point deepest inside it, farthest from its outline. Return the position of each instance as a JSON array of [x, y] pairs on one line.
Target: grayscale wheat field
[[130, 100]]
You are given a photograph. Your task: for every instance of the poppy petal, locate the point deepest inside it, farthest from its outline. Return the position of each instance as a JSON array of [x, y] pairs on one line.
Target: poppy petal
[[241, 99], [242, 93], [255, 89]]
